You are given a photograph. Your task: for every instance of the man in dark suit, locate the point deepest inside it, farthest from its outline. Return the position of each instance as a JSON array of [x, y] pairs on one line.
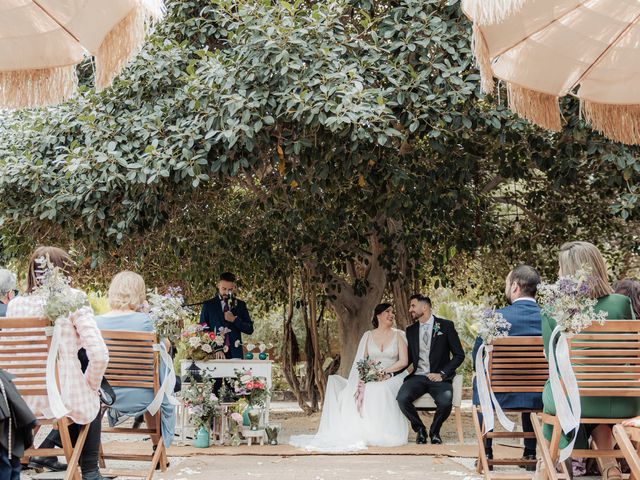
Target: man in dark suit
[[225, 310], [435, 352], [523, 313]]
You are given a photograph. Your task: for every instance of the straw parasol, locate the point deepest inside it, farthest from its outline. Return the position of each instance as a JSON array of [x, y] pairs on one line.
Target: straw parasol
[[546, 49], [42, 41]]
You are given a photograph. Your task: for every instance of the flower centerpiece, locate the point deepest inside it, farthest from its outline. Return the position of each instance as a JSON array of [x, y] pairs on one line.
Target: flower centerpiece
[[202, 344], [368, 371], [569, 302], [203, 404], [168, 313], [254, 391], [491, 325]]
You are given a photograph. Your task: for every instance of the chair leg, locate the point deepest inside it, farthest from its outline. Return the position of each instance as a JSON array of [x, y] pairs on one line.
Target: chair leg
[[482, 462], [629, 451], [458, 415], [156, 460], [71, 456], [101, 461], [549, 465]]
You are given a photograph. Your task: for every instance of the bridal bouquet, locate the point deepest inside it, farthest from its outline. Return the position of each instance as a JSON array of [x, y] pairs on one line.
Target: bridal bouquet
[[168, 313], [567, 301], [54, 287], [370, 371], [201, 344], [492, 325]]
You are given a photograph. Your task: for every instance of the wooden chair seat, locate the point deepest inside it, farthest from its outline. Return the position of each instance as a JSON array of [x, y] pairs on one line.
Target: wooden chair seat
[[516, 364], [134, 362], [24, 349], [426, 402], [602, 356]]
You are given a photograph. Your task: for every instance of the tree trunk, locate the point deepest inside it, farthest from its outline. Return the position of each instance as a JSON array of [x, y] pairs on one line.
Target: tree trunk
[[288, 366], [400, 287], [354, 311], [310, 295]]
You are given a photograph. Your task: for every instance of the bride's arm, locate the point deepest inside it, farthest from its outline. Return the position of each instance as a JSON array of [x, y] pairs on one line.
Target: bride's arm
[[403, 357]]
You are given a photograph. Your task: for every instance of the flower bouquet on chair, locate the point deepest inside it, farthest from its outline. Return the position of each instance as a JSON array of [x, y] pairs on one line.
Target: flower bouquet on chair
[[168, 313], [368, 371]]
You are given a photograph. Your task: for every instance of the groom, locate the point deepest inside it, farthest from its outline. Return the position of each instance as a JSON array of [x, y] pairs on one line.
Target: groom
[[435, 352]]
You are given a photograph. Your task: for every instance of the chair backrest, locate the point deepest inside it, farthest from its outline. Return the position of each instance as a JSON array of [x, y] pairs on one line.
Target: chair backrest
[[24, 348], [518, 364], [606, 359], [133, 362]]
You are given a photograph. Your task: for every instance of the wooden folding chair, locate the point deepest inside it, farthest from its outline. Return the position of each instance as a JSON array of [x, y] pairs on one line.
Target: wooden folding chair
[[134, 363], [606, 361], [516, 364], [24, 348]]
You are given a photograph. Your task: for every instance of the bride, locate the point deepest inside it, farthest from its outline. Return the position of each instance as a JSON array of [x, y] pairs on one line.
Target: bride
[[379, 421]]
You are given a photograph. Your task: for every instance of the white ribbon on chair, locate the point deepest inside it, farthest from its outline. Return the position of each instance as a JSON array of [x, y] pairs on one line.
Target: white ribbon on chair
[[56, 409], [568, 409], [168, 383], [485, 393]]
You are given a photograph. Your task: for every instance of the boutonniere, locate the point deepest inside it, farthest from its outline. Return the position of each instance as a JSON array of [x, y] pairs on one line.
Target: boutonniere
[[436, 328]]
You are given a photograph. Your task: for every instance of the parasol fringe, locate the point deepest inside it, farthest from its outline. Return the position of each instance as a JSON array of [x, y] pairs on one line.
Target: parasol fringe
[[37, 88], [125, 40], [490, 12], [617, 122], [483, 60], [540, 108]]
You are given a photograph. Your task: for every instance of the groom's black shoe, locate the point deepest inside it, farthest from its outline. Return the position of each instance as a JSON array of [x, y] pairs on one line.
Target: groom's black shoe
[[421, 437], [435, 439]]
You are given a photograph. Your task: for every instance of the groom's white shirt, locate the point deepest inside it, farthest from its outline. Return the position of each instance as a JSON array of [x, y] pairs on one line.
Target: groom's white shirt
[[424, 367]]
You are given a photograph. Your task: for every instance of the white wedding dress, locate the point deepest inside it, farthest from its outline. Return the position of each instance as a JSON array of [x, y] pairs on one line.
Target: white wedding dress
[[342, 427]]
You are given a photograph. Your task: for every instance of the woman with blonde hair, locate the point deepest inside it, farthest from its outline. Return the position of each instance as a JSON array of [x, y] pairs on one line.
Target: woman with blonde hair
[[575, 256], [128, 301], [79, 383]]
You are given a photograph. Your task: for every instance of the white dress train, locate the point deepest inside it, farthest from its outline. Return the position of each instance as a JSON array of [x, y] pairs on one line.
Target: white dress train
[[342, 428]]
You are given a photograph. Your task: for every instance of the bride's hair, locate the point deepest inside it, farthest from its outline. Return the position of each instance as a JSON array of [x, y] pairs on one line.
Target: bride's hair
[[380, 308]]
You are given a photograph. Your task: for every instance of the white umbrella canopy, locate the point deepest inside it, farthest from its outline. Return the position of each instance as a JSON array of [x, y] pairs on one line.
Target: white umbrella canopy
[[546, 49], [42, 41]]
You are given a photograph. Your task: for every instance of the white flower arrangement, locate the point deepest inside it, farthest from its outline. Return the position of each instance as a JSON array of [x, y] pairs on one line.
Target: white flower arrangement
[[491, 325], [168, 313]]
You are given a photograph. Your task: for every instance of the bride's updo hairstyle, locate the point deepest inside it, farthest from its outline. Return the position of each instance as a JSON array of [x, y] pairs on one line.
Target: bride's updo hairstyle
[[380, 308]]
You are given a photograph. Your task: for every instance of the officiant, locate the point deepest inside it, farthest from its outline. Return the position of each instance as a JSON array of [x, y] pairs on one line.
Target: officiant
[[225, 310]]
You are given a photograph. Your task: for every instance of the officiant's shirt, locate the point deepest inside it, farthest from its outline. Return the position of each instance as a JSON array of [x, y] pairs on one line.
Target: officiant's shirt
[[426, 330]]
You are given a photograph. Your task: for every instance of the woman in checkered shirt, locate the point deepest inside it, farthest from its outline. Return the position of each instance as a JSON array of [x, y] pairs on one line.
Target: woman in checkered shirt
[[79, 389]]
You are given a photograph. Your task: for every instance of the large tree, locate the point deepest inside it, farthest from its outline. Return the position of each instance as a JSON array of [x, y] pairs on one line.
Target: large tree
[[340, 143]]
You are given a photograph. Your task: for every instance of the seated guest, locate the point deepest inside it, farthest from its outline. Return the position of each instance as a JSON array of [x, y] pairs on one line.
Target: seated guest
[[80, 380], [523, 313], [127, 297], [7, 289], [575, 256], [630, 287]]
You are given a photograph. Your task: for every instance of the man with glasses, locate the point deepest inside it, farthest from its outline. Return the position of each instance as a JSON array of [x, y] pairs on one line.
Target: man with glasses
[[7, 289]]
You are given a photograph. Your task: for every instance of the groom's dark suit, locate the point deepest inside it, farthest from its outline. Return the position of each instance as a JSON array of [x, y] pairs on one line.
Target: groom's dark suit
[[445, 356]]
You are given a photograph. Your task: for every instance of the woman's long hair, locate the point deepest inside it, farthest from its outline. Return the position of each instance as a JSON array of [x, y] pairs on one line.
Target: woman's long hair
[[380, 308], [57, 257], [576, 256]]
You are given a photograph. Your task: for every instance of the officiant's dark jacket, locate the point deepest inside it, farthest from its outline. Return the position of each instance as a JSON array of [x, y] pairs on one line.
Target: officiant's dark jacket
[[212, 316], [446, 353]]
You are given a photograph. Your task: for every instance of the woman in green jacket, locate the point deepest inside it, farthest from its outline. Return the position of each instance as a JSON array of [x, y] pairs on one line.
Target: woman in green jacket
[[575, 256]]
